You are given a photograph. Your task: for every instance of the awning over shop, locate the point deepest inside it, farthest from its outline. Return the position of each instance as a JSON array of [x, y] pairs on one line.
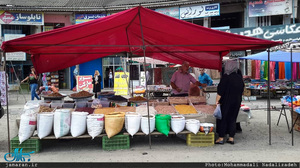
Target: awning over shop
[[163, 38], [278, 56]]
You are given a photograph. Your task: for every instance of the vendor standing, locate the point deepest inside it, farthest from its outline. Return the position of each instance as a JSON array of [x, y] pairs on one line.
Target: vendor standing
[[181, 79], [205, 79]]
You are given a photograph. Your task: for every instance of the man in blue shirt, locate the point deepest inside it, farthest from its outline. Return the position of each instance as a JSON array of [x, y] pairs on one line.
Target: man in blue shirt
[[205, 79]]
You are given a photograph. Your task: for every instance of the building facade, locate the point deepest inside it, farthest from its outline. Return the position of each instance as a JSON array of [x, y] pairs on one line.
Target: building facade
[[272, 20]]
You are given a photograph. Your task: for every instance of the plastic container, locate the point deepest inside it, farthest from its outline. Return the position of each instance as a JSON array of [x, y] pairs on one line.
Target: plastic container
[[45, 104], [105, 95], [68, 104], [81, 104], [28, 145], [89, 103], [56, 105], [104, 102], [116, 142], [200, 139]]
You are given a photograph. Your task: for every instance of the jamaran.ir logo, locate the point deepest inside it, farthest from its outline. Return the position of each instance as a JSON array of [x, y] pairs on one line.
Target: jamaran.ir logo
[[18, 156]]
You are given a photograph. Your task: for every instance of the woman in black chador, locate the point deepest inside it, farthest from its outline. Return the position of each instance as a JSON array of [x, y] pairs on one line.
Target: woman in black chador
[[96, 83], [230, 90]]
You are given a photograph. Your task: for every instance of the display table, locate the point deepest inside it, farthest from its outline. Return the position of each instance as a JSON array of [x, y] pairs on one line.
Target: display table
[[274, 92], [159, 93]]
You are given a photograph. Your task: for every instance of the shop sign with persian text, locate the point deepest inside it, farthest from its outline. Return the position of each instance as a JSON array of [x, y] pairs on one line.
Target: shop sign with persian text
[[22, 18]]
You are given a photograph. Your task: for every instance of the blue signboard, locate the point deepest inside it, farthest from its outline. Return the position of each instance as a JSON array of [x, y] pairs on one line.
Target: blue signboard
[[80, 18]]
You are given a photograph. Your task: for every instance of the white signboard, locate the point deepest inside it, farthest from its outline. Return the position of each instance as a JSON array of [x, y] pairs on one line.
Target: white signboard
[[190, 12], [14, 56]]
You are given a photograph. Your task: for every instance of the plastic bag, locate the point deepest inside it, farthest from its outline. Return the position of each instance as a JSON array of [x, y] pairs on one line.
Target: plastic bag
[[145, 124], [132, 122], [44, 124], [27, 126], [96, 103], [192, 125], [62, 122], [114, 123], [78, 123], [177, 123], [217, 112], [95, 124], [163, 123]]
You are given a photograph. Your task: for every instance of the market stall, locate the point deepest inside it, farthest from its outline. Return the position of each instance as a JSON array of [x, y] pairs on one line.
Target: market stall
[[286, 55], [138, 31]]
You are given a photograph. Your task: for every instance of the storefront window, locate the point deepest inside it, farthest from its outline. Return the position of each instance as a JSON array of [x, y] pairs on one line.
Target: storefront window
[[113, 63]]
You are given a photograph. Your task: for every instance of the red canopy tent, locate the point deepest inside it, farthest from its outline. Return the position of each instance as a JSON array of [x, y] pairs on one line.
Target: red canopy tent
[[163, 38], [139, 31]]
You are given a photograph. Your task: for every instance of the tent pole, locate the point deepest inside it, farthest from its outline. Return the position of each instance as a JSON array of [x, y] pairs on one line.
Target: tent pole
[[129, 75], [8, 132], [144, 52], [292, 95], [269, 97]]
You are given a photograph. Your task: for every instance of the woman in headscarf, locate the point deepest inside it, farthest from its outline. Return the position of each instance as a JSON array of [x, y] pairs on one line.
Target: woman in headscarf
[[230, 90], [96, 83]]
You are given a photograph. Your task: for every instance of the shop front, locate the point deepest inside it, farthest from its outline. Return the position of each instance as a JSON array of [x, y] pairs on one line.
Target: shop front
[[61, 78], [14, 24]]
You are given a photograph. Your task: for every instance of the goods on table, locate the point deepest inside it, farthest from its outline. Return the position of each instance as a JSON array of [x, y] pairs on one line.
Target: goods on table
[[185, 109], [138, 98], [178, 100], [81, 94], [145, 125], [45, 109], [132, 122], [96, 103], [117, 99], [192, 125], [125, 109], [206, 127], [160, 103], [177, 123], [197, 99], [62, 122], [163, 123], [95, 124], [105, 110], [106, 93], [162, 109], [27, 126], [78, 123], [114, 123], [44, 124], [85, 109], [143, 110], [55, 94], [207, 109]]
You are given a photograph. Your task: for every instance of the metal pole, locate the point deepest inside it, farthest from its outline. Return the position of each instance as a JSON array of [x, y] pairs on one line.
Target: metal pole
[[269, 97], [144, 51], [292, 95], [7, 111], [293, 10]]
